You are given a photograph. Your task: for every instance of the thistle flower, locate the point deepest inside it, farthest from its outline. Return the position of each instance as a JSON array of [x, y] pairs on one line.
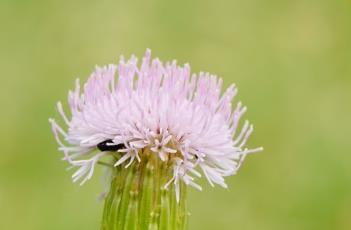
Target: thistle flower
[[158, 111]]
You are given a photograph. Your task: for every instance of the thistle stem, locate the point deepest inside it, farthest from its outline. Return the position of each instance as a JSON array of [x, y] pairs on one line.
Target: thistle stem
[[137, 199]]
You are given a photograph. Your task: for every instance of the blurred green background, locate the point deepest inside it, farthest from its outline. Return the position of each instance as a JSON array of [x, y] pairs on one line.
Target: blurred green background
[[290, 59]]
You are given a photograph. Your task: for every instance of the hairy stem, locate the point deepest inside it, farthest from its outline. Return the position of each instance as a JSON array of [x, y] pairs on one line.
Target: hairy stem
[[137, 199]]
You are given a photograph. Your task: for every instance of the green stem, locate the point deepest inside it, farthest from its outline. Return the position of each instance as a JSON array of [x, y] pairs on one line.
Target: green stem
[[137, 199]]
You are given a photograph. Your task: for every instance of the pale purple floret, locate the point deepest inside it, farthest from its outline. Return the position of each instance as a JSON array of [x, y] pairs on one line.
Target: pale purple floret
[[160, 107]]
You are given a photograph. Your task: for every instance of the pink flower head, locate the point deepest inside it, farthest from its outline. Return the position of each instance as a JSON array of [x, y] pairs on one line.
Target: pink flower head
[[163, 107]]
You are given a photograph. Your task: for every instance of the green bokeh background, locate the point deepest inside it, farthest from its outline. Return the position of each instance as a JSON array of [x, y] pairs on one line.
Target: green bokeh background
[[290, 59]]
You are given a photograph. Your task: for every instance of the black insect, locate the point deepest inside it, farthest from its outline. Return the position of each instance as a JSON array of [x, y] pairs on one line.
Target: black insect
[[108, 145]]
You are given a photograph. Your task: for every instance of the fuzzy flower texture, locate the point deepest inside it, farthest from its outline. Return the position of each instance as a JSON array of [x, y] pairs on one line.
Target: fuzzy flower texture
[[181, 117]]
